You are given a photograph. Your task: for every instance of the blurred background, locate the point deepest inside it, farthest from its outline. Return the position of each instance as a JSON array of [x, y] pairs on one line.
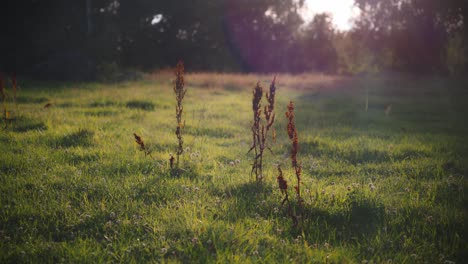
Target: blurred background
[[87, 39]]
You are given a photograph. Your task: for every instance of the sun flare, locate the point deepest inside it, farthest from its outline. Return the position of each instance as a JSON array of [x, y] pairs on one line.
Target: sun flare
[[342, 11]]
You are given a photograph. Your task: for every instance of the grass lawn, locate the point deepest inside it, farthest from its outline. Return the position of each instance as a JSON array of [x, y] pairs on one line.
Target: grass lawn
[[377, 187]]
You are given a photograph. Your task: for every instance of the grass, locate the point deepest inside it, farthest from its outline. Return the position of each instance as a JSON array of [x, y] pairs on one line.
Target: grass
[[75, 187]]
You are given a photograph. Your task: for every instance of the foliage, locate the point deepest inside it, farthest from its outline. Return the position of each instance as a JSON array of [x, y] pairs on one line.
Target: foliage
[[456, 59], [414, 36], [415, 32]]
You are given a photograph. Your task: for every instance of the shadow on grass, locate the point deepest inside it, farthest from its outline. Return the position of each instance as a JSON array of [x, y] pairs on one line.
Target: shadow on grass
[[82, 137], [31, 100], [24, 125], [142, 105], [66, 105], [102, 113], [102, 103], [209, 132], [250, 200], [163, 188], [358, 217]]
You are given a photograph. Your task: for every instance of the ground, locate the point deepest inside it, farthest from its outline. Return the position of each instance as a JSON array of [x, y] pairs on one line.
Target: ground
[[383, 185]]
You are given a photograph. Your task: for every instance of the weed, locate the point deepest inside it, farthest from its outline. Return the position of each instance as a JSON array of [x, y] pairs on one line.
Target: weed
[[270, 108], [292, 133], [256, 131], [283, 186], [171, 161], [259, 130], [179, 91], [140, 143]]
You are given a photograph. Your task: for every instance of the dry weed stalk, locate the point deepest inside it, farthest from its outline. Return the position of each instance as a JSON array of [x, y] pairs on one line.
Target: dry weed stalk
[[179, 91], [171, 161], [140, 142], [292, 132], [256, 128], [259, 130], [269, 110]]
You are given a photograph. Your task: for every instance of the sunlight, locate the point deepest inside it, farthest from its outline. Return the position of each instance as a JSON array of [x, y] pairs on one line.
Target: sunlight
[[342, 11]]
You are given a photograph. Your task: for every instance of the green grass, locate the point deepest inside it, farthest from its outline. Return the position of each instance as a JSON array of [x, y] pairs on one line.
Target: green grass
[[76, 188]]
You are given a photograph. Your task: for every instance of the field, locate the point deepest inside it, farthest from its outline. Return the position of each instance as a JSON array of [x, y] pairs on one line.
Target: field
[[383, 185]]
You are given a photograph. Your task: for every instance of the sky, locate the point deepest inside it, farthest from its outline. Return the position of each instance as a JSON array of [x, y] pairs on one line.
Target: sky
[[342, 11]]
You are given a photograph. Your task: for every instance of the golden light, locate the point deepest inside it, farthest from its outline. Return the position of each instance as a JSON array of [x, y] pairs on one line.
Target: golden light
[[342, 11]]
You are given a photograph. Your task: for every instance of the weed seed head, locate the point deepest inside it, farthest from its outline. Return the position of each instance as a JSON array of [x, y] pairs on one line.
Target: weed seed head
[[140, 142], [257, 97]]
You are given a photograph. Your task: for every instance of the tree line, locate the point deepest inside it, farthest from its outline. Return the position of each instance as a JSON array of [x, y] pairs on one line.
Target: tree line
[[76, 39]]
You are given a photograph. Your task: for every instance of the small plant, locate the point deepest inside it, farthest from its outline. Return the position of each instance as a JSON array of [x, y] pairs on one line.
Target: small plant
[[140, 143], [283, 186], [259, 130], [179, 91], [171, 161], [292, 133]]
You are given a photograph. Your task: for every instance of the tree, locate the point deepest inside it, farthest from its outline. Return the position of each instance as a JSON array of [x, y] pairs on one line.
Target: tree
[[262, 32], [416, 32], [316, 46]]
